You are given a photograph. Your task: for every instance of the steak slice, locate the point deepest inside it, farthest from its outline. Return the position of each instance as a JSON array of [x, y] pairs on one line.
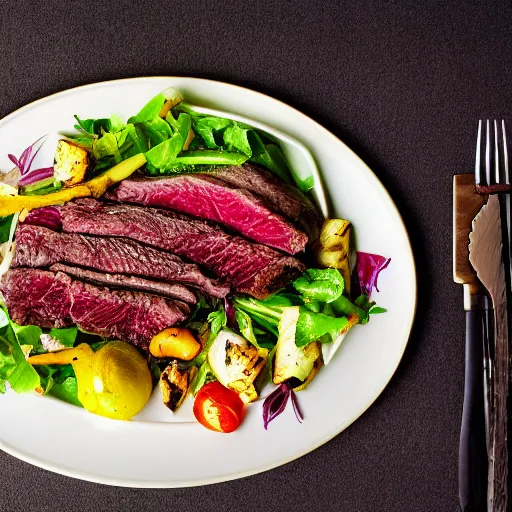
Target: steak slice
[[48, 299], [37, 297], [250, 268], [37, 246], [129, 316], [209, 198], [172, 290], [283, 198]]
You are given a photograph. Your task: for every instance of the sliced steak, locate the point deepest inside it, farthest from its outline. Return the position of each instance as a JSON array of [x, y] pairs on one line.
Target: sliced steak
[[283, 198], [172, 290], [250, 268], [48, 299], [209, 198], [129, 316], [37, 246], [37, 297]]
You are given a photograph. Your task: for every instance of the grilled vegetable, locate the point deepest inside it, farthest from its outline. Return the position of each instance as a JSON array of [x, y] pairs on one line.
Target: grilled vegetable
[[290, 360], [218, 408], [114, 382], [332, 249], [71, 163], [236, 363], [175, 342], [175, 383], [95, 187]]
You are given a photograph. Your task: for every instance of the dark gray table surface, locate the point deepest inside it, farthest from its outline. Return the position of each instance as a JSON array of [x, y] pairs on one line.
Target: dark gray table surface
[[402, 84]]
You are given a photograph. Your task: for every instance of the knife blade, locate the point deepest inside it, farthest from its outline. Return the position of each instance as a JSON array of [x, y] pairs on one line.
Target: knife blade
[[486, 257]]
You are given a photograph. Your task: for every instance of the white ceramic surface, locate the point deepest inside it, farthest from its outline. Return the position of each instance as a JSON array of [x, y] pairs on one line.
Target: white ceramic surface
[[158, 449]]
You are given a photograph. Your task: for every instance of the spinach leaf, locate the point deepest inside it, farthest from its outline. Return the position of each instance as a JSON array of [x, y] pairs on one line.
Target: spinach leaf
[[66, 335], [324, 285], [5, 228], [235, 139], [163, 156], [66, 391], [150, 110], [207, 127], [317, 327]]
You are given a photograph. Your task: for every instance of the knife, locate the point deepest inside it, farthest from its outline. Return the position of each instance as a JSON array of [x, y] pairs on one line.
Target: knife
[[486, 257], [473, 440]]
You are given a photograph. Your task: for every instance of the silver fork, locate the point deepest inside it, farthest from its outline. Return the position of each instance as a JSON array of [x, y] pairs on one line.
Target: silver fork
[[492, 176], [495, 177]]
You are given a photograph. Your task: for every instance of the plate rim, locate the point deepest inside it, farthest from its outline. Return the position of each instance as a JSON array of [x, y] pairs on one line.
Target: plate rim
[[148, 484]]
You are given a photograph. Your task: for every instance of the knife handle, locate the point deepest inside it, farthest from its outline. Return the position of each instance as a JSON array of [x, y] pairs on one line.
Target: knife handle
[[472, 448]]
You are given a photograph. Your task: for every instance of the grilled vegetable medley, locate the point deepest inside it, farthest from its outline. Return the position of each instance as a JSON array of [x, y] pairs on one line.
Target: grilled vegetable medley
[[175, 252]]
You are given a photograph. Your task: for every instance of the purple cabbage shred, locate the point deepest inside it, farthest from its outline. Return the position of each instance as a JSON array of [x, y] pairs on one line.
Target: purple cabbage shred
[[369, 266], [275, 404], [25, 161]]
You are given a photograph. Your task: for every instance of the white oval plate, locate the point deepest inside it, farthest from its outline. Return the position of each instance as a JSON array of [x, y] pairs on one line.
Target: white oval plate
[[151, 451]]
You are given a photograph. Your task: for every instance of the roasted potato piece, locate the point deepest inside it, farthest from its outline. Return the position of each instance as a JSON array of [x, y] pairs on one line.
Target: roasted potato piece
[[71, 163], [332, 249], [175, 342], [174, 384]]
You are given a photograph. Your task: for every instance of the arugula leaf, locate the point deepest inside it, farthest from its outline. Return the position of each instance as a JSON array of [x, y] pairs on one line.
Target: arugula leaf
[[66, 335], [150, 110], [324, 285], [376, 310], [317, 327], [5, 228]]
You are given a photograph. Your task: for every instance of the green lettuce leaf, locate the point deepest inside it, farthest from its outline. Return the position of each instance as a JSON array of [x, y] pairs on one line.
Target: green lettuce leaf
[[5, 228], [150, 110], [66, 335], [235, 139], [324, 285], [317, 327]]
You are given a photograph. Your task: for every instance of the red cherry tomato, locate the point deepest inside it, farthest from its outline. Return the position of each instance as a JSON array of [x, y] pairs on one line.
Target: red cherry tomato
[[218, 408]]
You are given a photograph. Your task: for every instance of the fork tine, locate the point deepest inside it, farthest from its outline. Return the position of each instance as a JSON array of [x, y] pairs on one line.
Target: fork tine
[[478, 171], [505, 152], [487, 153], [497, 177]]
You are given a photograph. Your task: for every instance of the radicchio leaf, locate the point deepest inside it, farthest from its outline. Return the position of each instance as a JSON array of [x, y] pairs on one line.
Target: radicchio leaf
[[25, 161], [369, 266], [230, 314], [47, 216], [36, 175], [275, 404]]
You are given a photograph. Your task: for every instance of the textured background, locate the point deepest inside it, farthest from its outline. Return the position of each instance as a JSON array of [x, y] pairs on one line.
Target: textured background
[[403, 85]]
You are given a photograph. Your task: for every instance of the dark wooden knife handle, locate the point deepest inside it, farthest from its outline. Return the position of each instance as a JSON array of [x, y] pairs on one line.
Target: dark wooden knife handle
[[472, 448]]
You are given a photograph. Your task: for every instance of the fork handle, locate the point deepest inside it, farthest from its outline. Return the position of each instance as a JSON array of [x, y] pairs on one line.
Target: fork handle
[[472, 448]]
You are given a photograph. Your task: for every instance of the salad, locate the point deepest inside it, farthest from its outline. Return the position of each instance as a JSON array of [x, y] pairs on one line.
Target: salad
[[175, 250]]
